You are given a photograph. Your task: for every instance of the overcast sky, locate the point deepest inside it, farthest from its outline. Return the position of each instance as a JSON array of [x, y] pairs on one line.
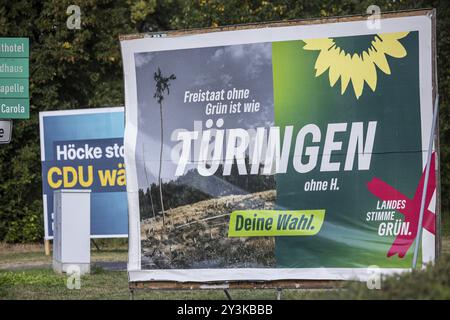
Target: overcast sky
[[240, 66]]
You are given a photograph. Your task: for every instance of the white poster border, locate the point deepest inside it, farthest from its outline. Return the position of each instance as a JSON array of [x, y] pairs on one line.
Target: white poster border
[[420, 23]]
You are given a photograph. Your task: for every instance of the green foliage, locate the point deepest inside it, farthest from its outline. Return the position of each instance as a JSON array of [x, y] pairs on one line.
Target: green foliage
[[68, 69], [141, 9], [432, 283], [82, 68]]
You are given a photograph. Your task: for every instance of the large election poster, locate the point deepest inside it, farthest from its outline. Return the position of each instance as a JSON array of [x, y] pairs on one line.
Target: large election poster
[[83, 149], [281, 152]]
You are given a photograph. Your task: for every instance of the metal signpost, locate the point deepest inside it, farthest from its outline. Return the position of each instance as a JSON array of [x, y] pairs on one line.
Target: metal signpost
[[427, 175]]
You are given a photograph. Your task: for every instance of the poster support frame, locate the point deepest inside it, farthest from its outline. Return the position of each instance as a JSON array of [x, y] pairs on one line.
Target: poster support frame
[[279, 285], [424, 192]]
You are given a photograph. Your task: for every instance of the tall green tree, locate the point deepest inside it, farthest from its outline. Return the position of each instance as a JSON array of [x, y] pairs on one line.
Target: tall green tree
[[82, 68]]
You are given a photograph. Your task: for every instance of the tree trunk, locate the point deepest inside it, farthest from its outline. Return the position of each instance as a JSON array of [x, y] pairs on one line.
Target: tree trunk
[[149, 187], [160, 163], [151, 201]]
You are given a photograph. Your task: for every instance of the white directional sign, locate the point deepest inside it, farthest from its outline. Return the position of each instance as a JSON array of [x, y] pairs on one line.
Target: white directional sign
[[5, 131]]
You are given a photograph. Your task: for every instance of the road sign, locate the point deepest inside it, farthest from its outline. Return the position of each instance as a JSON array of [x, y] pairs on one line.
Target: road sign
[[5, 131], [13, 88], [14, 82], [14, 67]]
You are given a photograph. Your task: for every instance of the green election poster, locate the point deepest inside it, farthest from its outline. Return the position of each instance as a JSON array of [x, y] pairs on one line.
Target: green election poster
[[293, 152]]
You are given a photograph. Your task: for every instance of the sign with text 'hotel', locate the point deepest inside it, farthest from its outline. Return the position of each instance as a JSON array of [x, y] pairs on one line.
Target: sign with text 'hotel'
[[14, 78]]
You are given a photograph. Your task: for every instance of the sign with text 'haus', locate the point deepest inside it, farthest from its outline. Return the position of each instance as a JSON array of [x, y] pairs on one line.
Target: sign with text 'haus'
[[283, 151]]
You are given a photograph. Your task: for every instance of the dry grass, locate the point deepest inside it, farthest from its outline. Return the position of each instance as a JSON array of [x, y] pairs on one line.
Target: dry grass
[[28, 247], [18, 256]]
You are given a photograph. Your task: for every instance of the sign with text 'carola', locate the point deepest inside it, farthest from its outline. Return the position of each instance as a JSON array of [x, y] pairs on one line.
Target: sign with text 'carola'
[[14, 82], [83, 149], [289, 151]]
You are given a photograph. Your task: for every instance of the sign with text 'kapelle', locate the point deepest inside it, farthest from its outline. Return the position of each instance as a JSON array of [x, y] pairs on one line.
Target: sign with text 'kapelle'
[[14, 78]]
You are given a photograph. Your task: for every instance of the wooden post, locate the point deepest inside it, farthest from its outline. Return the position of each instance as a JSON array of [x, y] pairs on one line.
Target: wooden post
[[47, 247]]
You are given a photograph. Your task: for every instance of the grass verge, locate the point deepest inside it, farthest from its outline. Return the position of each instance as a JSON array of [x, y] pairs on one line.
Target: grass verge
[[431, 283]]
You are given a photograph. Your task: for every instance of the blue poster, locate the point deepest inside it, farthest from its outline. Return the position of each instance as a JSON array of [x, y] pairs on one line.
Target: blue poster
[[83, 149]]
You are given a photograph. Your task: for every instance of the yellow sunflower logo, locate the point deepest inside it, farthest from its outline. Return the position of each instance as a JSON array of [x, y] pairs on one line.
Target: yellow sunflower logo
[[359, 67]]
